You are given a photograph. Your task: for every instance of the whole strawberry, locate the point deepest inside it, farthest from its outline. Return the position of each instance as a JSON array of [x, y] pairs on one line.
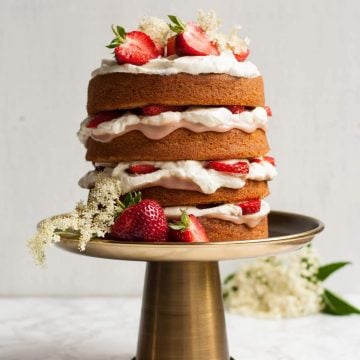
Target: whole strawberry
[[191, 39], [134, 47], [187, 229], [140, 220]]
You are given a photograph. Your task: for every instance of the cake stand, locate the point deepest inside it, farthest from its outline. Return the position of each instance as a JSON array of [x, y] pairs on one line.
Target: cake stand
[[182, 315]]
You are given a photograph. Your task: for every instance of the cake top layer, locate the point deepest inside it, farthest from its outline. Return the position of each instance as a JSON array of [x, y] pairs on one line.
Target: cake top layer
[[161, 48]]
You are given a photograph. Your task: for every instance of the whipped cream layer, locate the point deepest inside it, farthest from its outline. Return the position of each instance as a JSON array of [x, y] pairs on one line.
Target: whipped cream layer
[[225, 63], [196, 119], [182, 175], [226, 212]]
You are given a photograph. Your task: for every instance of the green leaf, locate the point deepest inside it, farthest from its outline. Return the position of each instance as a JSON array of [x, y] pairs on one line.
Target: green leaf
[[177, 25], [112, 46], [326, 270], [183, 224], [229, 278], [120, 35], [136, 198], [335, 305], [121, 31]]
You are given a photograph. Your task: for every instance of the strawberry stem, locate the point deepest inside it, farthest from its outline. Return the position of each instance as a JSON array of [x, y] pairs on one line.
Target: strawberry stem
[[177, 26], [129, 200], [120, 35], [183, 223]]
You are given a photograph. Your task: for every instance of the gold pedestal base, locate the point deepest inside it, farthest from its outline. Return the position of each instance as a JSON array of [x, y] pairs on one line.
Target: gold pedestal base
[[182, 313]]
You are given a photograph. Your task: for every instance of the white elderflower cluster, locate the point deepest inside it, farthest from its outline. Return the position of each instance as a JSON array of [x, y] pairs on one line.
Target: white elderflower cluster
[[208, 21], [276, 287], [156, 28], [88, 220], [235, 42]]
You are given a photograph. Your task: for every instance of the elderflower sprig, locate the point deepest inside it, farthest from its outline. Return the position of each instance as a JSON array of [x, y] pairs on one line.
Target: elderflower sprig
[[156, 28], [286, 286], [91, 219]]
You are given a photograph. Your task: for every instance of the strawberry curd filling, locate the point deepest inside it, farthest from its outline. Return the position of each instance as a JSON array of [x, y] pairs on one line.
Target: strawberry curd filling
[[225, 63], [196, 119], [183, 175], [226, 212]]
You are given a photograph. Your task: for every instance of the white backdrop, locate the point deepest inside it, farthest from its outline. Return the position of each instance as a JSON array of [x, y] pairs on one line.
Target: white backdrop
[[308, 52]]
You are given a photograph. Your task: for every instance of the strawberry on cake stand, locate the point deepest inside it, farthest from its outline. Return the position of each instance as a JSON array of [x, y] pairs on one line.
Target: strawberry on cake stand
[[177, 135]]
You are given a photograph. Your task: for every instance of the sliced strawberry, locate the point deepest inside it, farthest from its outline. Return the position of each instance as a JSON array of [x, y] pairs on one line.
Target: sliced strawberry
[[191, 39], [268, 110], [256, 160], [102, 117], [187, 229], [236, 109], [242, 55], [250, 206], [240, 167], [134, 47], [151, 110], [269, 159], [170, 46], [143, 221], [160, 49], [141, 169]]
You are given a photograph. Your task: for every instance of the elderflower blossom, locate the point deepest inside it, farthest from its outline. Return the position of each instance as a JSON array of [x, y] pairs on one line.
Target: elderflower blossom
[[88, 220], [209, 22], [235, 42], [277, 287], [156, 28]]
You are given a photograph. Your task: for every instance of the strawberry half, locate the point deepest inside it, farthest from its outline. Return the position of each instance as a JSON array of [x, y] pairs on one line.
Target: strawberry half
[[151, 110], [269, 159], [141, 221], [268, 110], [170, 46], [240, 167], [250, 206], [141, 169], [242, 55], [191, 39], [134, 47], [236, 109], [102, 117], [187, 229]]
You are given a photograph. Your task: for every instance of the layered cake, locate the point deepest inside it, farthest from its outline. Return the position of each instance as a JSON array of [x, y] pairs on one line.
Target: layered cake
[[178, 116]]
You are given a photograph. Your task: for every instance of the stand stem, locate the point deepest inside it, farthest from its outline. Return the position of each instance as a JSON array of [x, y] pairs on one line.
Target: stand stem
[[182, 313]]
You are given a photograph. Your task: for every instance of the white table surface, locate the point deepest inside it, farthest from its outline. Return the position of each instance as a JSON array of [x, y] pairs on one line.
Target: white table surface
[[106, 328]]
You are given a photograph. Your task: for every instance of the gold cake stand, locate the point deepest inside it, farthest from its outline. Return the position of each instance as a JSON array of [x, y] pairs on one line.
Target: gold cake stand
[[182, 315]]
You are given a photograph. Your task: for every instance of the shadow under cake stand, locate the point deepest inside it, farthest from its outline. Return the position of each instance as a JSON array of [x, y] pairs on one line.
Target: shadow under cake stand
[[182, 315]]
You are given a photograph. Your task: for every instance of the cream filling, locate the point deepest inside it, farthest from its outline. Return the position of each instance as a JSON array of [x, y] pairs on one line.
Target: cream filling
[[196, 119], [226, 212], [225, 63], [182, 175]]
